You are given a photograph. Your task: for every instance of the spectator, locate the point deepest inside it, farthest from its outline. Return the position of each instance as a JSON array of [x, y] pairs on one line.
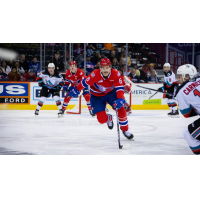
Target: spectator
[[124, 58], [14, 75], [136, 69], [103, 55], [145, 68], [153, 78], [59, 65], [143, 74], [11, 63], [89, 65], [122, 63], [35, 66], [5, 67], [78, 49], [113, 55], [96, 58], [23, 63], [133, 76], [100, 46], [90, 49], [97, 66], [30, 76], [151, 68], [108, 46], [3, 76], [80, 58], [115, 64], [20, 70]]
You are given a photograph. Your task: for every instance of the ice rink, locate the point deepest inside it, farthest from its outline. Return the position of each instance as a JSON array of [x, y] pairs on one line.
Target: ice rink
[[21, 132]]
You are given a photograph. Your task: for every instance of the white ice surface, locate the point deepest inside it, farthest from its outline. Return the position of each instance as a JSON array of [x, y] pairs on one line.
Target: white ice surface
[[21, 132]]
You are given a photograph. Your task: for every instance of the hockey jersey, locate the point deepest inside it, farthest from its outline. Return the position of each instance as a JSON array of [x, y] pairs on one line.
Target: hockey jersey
[[74, 79], [188, 97], [50, 81], [101, 86], [169, 80]]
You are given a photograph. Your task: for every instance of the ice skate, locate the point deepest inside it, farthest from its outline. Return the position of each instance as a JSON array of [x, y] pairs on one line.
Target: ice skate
[[175, 114], [128, 135], [90, 111], [61, 113], [36, 112]]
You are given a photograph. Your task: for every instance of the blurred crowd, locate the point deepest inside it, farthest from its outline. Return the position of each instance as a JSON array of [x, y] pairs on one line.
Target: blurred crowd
[[22, 70]]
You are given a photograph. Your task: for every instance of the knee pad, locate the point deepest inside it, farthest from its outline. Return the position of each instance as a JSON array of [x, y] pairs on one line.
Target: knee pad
[[102, 117]]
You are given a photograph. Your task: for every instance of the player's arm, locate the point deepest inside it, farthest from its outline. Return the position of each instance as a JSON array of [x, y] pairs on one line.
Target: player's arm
[[61, 83], [118, 84], [185, 109], [88, 81], [39, 79]]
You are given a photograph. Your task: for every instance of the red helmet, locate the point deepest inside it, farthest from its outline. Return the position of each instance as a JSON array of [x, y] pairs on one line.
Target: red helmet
[[105, 62], [72, 63]]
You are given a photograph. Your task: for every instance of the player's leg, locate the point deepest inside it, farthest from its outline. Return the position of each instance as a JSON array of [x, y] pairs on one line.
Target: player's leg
[[169, 104], [192, 136], [98, 105], [56, 97], [86, 95], [122, 116], [67, 99], [43, 96], [174, 108]]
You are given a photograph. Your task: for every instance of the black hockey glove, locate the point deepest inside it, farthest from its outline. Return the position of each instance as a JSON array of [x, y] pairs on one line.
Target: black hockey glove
[[58, 88], [41, 84], [161, 89]]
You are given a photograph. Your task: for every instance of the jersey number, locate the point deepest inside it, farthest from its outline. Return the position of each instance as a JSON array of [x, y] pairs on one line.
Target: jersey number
[[196, 93], [120, 81]]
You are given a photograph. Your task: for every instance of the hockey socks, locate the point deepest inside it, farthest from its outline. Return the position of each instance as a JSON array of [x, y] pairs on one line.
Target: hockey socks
[[87, 99], [41, 102], [123, 121], [58, 102], [65, 103]]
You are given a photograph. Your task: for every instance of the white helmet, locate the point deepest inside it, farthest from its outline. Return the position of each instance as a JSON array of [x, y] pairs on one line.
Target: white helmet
[[187, 69], [166, 65], [51, 65]]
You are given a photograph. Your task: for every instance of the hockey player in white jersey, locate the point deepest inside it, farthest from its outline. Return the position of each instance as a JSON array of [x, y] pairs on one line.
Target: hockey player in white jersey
[[188, 98], [51, 82], [170, 84]]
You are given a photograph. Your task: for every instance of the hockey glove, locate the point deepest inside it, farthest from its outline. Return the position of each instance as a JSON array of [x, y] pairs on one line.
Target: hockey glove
[[161, 89], [118, 103], [41, 84], [65, 88], [127, 89], [58, 88], [73, 93]]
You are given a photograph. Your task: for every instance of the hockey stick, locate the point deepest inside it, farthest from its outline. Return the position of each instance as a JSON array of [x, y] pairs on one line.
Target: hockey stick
[[170, 94], [153, 95], [128, 80], [120, 146]]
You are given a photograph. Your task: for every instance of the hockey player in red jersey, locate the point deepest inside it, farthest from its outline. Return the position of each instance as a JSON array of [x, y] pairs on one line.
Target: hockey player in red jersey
[[106, 86], [73, 76]]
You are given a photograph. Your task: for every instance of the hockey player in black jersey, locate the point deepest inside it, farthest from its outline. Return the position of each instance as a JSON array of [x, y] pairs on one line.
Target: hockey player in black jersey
[[170, 84], [51, 82]]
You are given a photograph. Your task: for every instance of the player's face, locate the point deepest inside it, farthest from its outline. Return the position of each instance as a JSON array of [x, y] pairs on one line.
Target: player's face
[[180, 78], [166, 69], [51, 70], [105, 70], [73, 68]]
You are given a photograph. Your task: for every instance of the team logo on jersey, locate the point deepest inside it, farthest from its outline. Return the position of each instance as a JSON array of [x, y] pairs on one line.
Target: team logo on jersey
[[100, 81], [168, 74], [92, 74], [81, 73], [118, 74], [69, 76]]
